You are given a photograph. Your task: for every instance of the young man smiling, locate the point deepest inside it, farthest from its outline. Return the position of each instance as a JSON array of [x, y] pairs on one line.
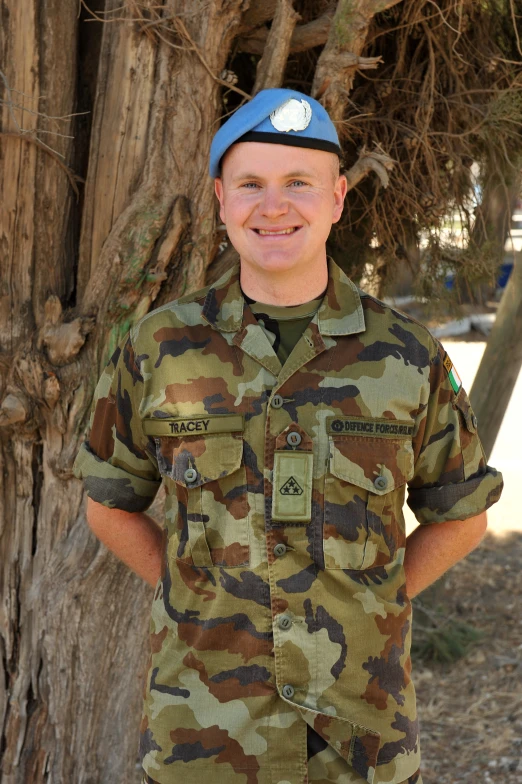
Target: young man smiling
[[286, 413], [285, 189]]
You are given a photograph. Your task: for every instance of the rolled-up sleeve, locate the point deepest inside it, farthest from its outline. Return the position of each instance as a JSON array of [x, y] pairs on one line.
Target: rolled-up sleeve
[[117, 461], [452, 480]]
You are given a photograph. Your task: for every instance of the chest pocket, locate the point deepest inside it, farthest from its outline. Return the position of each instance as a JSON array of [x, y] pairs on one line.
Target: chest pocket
[[209, 478], [363, 500]]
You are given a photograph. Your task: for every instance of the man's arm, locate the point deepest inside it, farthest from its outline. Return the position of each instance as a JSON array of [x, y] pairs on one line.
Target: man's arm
[[133, 537], [432, 549]]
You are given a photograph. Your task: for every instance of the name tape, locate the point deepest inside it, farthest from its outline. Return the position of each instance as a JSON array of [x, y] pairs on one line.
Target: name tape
[[218, 423], [369, 427]]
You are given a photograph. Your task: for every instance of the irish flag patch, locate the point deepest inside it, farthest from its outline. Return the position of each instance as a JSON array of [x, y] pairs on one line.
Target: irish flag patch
[[454, 377]]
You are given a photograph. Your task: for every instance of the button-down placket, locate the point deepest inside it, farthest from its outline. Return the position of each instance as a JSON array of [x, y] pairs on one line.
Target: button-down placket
[[291, 573], [289, 624]]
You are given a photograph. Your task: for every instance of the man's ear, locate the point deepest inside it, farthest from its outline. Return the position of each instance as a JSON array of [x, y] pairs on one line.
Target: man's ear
[[341, 189], [218, 189]]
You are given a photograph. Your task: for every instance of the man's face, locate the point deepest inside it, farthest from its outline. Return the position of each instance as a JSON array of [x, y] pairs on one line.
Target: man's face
[[266, 189]]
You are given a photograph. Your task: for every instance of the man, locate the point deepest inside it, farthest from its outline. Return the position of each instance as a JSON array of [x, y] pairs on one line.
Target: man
[[286, 412]]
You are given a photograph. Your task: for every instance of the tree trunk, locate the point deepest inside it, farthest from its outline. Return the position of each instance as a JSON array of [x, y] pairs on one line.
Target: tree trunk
[[77, 269], [501, 362], [493, 222], [74, 621]]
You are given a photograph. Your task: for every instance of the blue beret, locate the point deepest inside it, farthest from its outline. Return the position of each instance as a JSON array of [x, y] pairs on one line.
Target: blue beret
[[276, 116]]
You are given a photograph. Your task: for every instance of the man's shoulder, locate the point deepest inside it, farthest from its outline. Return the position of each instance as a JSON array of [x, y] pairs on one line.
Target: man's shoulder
[[387, 322], [178, 313], [183, 312]]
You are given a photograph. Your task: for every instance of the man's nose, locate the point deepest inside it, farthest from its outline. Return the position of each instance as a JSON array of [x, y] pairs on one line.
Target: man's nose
[[274, 202]]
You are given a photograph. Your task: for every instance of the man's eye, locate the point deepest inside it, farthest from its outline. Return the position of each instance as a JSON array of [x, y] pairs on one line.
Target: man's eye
[[298, 182], [247, 184]]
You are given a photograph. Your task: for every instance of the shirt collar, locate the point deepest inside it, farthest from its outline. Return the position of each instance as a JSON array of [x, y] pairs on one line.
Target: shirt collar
[[340, 313]]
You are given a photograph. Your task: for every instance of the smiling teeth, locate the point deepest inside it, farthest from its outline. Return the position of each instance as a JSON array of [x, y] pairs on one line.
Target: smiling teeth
[[284, 231]]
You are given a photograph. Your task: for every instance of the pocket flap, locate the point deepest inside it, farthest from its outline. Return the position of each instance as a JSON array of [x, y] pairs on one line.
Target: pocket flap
[[212, 457], [467, 412], [356, 744], [379, 465]]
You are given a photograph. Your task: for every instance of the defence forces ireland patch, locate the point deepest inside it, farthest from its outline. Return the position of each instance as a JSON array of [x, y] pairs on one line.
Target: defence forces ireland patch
[[453, 376]]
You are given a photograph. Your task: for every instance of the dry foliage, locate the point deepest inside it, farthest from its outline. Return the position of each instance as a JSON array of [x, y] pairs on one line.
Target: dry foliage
[[436, 87], [448, 92]]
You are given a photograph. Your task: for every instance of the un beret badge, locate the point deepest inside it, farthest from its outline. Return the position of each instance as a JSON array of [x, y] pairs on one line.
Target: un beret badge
[[293, 115]]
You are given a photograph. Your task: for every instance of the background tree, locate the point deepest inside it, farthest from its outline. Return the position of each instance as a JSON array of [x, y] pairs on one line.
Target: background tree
[[108, 210]]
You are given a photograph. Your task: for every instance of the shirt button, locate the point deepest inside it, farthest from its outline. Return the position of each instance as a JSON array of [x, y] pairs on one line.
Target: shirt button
[[293, 438], [288, 691], [284, 622], [474, 421], [190, 475], [277, 401], [280, 549], [381, 483]]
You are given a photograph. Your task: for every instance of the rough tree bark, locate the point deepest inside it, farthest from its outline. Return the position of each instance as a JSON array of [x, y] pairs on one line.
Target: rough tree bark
[[74, 275], [74, 621]]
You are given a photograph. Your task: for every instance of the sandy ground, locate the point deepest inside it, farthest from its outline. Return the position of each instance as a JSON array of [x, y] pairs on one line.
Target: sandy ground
[[506, 515]]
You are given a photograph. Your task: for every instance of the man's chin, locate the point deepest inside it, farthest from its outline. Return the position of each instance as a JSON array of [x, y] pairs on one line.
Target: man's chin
[[276, 261]]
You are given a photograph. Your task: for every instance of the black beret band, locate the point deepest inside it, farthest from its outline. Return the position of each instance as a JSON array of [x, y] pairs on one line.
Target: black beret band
[[291, 141]]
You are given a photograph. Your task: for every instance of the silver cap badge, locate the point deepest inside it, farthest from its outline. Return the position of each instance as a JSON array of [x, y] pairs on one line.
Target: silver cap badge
[[293, 115]]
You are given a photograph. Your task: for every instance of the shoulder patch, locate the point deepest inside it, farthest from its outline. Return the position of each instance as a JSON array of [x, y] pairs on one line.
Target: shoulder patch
[[453, 376]]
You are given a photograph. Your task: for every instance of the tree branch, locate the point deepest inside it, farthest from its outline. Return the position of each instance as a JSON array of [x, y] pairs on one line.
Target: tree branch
[[271, 67], [304, 37], [182, 30], [335, 73], [13, 410], [63, 340], [257, 14], [28, 137], [375, 161]]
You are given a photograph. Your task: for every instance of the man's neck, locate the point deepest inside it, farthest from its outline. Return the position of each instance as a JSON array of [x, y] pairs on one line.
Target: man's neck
[[291, 287]]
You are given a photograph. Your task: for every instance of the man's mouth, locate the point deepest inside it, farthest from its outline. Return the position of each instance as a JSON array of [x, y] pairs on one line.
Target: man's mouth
[[276, 232]]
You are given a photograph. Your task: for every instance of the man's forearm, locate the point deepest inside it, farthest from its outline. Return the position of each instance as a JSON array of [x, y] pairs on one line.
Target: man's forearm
[[133, 537], [432, 549]]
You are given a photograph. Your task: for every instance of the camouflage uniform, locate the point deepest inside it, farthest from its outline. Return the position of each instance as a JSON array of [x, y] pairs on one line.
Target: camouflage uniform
[[280, 628]]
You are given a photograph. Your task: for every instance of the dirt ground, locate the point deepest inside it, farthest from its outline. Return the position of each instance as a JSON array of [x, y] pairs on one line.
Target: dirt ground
[[471, 711]]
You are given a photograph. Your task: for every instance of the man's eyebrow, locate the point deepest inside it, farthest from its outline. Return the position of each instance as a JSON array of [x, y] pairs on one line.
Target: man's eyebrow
[[249, 176]]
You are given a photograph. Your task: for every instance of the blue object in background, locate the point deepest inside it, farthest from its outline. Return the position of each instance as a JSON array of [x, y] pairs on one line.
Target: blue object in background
[[449, 281], [504, 273], [502, 279]]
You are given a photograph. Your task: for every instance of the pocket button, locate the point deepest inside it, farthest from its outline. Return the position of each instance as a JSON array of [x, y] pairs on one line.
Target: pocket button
[[293, 438], [190, 475], [288, 691], [280, 549], [381, 483]]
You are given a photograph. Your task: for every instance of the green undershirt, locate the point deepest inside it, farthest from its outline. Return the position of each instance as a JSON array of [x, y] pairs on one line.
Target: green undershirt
[[283, 324]]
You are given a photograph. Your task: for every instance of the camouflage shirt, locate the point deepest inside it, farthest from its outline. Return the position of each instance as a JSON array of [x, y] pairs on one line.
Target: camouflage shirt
[[282, 325], [280, 628]]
